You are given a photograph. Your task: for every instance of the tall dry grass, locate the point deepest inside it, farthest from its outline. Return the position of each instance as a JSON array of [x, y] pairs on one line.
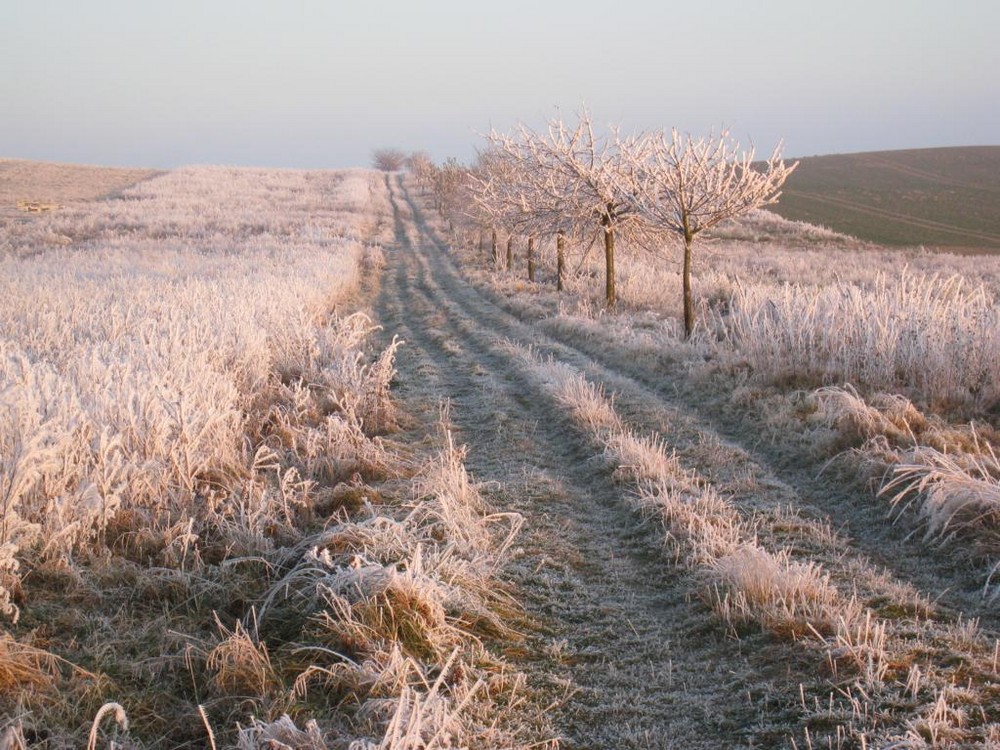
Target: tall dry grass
[[956, 496], [943, 476], [392, 606], [141, 373], [935, 338]]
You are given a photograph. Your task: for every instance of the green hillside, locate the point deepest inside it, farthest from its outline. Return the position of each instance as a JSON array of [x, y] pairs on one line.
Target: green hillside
[[938, 197]]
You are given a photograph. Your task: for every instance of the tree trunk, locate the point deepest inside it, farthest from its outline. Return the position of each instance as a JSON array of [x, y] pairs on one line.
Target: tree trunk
[[496, 251], [482, 239], [688, 301], [609, 263], [510, 252], [560, 260], [531, 257]]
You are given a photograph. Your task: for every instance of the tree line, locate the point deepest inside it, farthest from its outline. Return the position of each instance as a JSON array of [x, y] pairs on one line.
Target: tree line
[[567, 181]]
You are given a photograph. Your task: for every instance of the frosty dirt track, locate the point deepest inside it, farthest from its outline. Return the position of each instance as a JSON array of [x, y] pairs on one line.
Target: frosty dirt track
[[618, 641], [618, 630]]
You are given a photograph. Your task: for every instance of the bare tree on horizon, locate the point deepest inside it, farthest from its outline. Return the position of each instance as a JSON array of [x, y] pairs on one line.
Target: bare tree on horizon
[[388, 159]]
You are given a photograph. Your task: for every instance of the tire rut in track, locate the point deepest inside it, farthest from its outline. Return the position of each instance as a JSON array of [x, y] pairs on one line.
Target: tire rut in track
[[645, 666]]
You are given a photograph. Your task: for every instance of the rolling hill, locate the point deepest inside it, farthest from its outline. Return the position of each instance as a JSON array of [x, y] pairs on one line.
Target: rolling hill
[[937, 197]]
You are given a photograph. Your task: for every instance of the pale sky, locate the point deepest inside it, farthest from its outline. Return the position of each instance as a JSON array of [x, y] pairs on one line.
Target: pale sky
[[312, 83]]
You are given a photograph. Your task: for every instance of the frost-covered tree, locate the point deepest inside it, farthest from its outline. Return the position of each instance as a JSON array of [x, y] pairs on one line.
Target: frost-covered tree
[[493, 186], [421, 166], [451, 183], [504, 195], [686, 185], [567, 180]]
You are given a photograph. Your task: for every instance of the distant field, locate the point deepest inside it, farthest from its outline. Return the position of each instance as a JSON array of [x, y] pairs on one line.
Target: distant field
[[51, 183], [940, 197]]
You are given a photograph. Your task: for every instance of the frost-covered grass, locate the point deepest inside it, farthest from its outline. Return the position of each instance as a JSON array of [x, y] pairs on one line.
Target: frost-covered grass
[[201, 500], [937, 339], [137, 371]]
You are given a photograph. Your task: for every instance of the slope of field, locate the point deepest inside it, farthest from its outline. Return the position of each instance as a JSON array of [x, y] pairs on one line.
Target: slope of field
[[939, 197]]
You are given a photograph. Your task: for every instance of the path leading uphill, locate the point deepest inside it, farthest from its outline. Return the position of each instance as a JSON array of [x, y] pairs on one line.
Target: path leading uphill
[[619, 641]]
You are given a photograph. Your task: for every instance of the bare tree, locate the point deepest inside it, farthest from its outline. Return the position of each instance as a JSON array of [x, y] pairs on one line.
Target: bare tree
[[685, 185], [388, 159], [493, 187], [451, 182], [418, 161]]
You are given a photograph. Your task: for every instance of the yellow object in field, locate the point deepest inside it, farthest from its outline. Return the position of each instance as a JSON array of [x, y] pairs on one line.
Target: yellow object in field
[[36, 206]]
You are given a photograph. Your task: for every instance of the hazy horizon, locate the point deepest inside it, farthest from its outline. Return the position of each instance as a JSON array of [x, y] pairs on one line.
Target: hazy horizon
[[321, 84]]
